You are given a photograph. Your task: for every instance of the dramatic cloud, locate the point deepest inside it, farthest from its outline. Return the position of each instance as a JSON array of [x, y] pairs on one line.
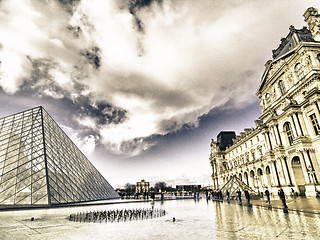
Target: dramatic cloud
[[136, 69]]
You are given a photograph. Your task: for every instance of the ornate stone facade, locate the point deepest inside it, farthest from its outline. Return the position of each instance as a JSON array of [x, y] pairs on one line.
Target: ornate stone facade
[[283, 150], [142, 187]]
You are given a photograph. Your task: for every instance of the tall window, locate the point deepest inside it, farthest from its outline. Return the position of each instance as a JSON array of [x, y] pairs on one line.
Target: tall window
[[267, 99], [299, 71], [318, 56], [315, 124], [287, 128], [281, 87]]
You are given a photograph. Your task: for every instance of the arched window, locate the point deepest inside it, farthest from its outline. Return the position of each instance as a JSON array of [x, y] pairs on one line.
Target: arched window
[[267, 100], [295, 160], [287, 128], [281, 87], [299, 71]]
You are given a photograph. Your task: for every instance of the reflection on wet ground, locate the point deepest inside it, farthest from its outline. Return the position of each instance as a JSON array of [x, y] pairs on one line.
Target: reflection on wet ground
[[184, 219]]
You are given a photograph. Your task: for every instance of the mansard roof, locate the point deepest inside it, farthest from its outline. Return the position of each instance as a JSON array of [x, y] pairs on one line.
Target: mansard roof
[[287, 46], [292, 40]]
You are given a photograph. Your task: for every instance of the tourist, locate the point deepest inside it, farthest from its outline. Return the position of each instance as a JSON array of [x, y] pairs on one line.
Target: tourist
[[246, 193], [282, 197], [239, 195], [228, 195], [267, 193], [292, 191], [220, 195]]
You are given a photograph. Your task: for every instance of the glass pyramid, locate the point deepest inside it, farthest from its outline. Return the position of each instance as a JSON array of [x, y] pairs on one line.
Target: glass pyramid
[[40, 165], [234, 184]]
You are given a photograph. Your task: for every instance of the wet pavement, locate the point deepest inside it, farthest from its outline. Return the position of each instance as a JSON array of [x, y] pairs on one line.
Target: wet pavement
[[194, 219], [295, 204]]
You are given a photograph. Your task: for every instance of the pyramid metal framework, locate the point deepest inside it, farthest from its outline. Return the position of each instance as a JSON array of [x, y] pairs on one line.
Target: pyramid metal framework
[[40, 165], [234, 184]]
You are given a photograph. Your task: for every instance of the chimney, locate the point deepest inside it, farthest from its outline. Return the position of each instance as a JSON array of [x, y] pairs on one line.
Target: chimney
[[312, 17]]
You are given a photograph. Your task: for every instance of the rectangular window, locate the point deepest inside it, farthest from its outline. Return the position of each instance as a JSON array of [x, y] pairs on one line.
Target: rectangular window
[[315, 124], [288, 130]]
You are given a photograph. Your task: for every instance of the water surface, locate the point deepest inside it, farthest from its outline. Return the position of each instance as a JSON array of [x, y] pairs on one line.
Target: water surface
[[200, 219]]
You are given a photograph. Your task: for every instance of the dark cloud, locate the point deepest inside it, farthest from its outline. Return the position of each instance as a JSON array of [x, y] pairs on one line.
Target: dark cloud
[[103, 113], [134, 6], [75, 30], [93, 57], [160, 95], [69, 4], [41, 86]]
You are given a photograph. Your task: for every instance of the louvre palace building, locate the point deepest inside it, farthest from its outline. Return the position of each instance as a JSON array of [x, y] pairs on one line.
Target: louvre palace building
[[283, 149]]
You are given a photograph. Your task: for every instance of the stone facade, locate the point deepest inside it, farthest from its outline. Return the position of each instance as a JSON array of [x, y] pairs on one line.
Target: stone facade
[[283, 150], [142, 187]]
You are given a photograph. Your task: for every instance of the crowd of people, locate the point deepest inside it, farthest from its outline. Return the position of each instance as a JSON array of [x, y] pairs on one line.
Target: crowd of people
[[218, 195]]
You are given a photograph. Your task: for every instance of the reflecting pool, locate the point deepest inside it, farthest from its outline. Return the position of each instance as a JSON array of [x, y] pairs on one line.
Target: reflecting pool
[[194, 219]]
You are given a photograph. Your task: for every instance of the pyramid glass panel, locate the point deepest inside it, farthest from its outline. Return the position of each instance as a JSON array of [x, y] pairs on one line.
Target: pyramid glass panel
[[40, 165]]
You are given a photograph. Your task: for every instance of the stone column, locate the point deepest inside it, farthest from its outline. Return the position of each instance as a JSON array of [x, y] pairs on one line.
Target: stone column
[[281, 171], [294, 126], [302, 124], [268, 140], [275, 137], [275, 176], [277, 130], [315, 163], [285, 171]]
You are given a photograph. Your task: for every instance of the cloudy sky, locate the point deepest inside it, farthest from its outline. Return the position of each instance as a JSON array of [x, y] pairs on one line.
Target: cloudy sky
[[142, 86]]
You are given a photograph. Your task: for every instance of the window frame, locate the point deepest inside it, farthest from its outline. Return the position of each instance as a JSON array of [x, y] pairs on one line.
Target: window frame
[[288, 130], [315, 123]]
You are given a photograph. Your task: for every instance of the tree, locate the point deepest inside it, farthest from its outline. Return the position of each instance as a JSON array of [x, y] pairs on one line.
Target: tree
[[130, 188], [160, 186]]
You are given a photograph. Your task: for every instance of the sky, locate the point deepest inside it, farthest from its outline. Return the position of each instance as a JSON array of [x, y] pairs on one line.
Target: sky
[[142, 86]]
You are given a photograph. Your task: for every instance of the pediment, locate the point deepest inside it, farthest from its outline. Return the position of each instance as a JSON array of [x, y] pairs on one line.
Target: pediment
[[287, 47], [272, 68]]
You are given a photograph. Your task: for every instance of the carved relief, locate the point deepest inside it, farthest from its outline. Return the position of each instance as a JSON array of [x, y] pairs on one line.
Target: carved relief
[[306, 61], [261, 102], [274, 68], [289, 78]]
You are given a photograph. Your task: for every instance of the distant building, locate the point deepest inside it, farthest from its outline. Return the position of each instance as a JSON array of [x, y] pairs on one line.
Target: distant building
[[283, 150], [41, 166], [188, 188], [142, 187]]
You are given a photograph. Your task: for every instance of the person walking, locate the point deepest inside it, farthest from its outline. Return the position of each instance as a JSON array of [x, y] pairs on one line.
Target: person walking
[[246, 193], [267, 193], [239, 195], [282, 197], [228, 195], [292, 191]]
